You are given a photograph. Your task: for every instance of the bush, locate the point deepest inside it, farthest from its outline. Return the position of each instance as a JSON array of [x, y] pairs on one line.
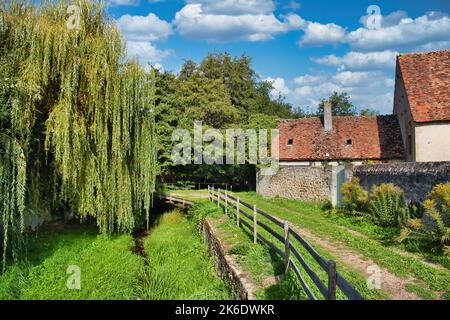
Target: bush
[[199, 211], [387, 206], [437, 229], [354, 197]]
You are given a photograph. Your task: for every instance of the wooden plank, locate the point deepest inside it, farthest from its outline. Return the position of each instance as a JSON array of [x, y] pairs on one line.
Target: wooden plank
[[255, 224], [271, 231], [302, 281], [237, 212], [331, 280], [287, 251], [314, 277], [271, 218], [271, 245], [321, 261], [347, 288]]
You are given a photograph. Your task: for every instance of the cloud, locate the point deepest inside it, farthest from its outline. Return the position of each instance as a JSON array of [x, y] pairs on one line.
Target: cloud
[[235, 7], [372, 89], [252, 24], [360, 60], [397, 31], [309, 79], [279, 87], [144, 28], [407, 33], [146, 53], [317, 34]]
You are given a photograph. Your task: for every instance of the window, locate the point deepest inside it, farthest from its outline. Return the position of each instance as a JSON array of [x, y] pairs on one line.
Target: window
[[290, 142], [348, 142]]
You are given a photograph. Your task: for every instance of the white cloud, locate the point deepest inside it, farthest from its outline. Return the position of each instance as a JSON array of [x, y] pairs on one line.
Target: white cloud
[[308, 79], [235, 7], [397, 31], [279, 87], [146, 53], [408, 32], [317, 34], [366, 89], [144, 28], [360, 60], [194, 21]]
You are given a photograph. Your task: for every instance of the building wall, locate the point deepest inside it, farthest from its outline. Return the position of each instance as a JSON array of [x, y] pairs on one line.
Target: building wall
[[297, 182], [432, 142], [415, 178], [403, 112]]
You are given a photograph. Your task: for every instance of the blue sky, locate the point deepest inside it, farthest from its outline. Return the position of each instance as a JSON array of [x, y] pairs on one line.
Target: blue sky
[[307, 48]]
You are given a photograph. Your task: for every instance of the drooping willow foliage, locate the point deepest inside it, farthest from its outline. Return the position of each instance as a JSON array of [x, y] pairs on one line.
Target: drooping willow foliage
[[76, 123]]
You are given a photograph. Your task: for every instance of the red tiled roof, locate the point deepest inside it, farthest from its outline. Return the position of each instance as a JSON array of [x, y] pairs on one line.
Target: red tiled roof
[[374, 137], [427, 82]]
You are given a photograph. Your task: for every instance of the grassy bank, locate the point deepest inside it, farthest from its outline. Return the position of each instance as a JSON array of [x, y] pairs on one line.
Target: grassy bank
[[179, 265], [371, 242], [108, 269]]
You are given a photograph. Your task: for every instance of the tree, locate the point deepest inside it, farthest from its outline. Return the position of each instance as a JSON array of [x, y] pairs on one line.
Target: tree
[[340, 104], [77, 125], [369, 112]]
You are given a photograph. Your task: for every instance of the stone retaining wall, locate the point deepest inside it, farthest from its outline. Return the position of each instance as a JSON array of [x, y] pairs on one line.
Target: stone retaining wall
[[225, 265]]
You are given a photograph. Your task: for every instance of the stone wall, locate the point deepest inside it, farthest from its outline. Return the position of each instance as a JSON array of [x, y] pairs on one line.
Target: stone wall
[[225, 266], [297, 182], [415, 178]]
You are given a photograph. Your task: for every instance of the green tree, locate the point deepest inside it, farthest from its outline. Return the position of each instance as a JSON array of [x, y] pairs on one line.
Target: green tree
[[340, 104]]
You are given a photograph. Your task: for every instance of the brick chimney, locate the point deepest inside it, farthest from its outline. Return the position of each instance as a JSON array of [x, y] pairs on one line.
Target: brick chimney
[[327, 116]]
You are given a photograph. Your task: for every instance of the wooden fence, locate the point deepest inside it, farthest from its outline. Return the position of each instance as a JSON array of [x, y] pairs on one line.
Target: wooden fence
[[290, 253]]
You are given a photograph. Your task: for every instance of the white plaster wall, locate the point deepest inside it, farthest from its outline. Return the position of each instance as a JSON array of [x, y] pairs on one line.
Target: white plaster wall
[[432, 142]]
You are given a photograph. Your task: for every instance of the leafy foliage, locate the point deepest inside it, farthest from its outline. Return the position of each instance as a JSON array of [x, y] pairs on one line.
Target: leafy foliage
[[340, 105], [435, 226], [387, 205], [76, 123], [354, 197]]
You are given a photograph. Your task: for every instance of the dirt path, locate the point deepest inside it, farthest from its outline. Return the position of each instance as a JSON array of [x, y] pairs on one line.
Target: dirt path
[[390, 283]]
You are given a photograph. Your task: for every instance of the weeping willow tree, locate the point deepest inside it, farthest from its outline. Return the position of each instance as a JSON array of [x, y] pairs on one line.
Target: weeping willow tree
[[76, 124]]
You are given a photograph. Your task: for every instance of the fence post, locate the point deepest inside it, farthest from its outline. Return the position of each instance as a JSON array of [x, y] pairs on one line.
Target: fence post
[[184, 203], [255, 232], [237, 211], [331, 280], [218, 197], [287, 248], [226, 203], [209, 193]]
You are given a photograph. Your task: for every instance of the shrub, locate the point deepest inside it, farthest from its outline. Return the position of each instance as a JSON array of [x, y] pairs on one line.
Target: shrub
[[437, 229], [354, 197], [387, 206]]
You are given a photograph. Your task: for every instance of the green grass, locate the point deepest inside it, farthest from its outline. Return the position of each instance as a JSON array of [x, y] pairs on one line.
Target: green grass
[[108, 269], [312, 217], [179, 265], [255, 259]]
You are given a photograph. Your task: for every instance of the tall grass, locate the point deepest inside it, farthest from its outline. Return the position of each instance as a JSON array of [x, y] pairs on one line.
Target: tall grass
[[109, 270], [179, 265]]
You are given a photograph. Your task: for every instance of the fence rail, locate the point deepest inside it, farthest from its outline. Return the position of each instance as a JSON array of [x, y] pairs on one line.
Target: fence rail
[[335, 280]]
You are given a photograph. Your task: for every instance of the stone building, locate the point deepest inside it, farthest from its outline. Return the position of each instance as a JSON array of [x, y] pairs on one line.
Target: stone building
[[313, 153], [422, 104]]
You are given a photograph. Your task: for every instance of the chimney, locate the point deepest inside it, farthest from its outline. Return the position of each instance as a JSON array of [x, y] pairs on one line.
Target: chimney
[[327, 116]]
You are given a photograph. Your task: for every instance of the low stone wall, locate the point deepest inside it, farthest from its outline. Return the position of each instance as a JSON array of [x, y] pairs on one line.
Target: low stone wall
[[303, 183], [225, 265], [415, 178]]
